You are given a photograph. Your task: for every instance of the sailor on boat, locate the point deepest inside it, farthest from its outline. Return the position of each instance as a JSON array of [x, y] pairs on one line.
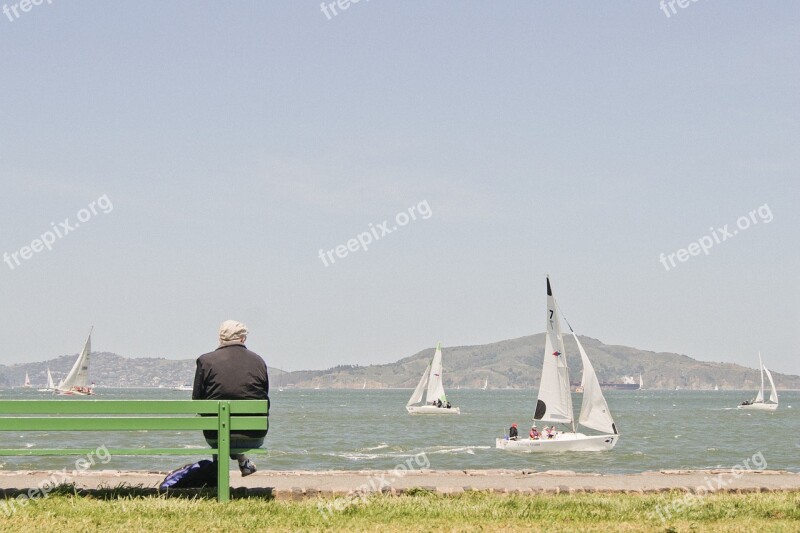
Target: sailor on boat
[[513, 434]]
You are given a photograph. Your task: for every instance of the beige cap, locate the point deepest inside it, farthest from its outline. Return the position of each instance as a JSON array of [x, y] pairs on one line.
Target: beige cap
[[232, 332]]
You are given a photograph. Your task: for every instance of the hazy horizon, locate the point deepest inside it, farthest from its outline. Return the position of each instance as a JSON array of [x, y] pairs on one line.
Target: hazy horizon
[[360, 186]]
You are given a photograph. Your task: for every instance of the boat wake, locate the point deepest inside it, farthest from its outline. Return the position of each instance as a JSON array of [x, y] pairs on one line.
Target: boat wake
[[470, 450], [381, 446]]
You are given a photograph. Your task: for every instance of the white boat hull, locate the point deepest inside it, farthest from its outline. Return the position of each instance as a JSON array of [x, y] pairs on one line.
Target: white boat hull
[[562, 442], [73, 393], [432, 410], [759, 406]]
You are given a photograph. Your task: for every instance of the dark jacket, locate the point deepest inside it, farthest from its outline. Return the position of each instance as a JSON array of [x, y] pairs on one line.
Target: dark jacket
[[231, 373], [513, 433]]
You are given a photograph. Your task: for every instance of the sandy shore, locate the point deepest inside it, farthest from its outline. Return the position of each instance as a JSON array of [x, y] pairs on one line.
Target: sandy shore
[[302, 484]]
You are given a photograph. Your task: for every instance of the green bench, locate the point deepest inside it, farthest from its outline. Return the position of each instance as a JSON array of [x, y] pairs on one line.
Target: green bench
[[136, 415]]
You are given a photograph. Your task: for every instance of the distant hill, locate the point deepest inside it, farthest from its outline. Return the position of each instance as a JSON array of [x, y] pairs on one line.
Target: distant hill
[[514, 363]]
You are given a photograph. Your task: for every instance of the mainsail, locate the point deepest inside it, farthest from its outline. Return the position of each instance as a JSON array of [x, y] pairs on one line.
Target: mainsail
[[79, 374], [435, 387], [554, 403], [50, 384], [760, 395]]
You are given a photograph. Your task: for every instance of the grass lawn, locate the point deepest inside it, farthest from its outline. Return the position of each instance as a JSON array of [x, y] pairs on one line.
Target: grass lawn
[[421, 511]]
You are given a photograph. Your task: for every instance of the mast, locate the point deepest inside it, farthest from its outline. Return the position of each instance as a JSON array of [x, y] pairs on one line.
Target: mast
[[569, 389]]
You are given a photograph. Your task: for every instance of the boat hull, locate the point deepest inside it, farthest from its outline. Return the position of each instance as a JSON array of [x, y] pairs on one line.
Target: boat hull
[[759, 406], [432, 410], [73, 393], [562, 442]]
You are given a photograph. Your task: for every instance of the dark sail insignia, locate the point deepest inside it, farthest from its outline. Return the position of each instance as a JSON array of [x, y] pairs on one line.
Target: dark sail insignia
[[541, 409]]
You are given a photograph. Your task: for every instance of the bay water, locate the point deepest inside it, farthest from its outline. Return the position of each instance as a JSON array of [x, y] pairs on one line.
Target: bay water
[[334, 429]]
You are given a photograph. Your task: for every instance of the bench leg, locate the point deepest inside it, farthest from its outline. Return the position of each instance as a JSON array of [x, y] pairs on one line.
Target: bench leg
[[224, 445]]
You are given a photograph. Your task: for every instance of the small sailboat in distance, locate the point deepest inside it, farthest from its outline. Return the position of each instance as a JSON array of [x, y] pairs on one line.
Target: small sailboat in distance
[[486, 384], [554, 403], [27, 383], [77, 381], [50, 385], [435, 399], [758, 403], [364, 386]]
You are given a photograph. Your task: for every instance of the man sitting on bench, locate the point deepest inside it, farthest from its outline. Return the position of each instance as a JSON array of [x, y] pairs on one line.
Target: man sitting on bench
[[232, 372]]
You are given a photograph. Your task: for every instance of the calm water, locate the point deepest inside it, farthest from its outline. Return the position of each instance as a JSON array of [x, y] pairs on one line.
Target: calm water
[[370, 429]]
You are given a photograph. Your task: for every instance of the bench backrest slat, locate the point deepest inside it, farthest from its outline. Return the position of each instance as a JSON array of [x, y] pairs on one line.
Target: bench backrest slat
[[131, 407], [100, 423], [127, 423]]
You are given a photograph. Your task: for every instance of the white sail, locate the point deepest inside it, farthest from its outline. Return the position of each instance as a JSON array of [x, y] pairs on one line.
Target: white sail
[[50, 384], [760, 395], [486, 384], [435, 388], [641, 383], [773, 395], [27, 382], [594, 409], [417, 396], [79, 374], [554, 403]]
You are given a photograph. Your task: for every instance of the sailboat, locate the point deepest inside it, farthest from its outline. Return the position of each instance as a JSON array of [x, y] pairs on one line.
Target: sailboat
[[364, 386], [435, 400], [554, 403], [27, 383], [77, 381], [758, 403], [50, 385], [641, 383], [486, 384], [716, 387]]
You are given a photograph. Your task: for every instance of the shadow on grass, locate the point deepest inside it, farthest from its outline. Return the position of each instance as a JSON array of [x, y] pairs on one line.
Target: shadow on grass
[[126, 491]]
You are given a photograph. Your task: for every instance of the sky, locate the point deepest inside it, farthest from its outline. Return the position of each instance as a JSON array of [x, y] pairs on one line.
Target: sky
[[358, 186]]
